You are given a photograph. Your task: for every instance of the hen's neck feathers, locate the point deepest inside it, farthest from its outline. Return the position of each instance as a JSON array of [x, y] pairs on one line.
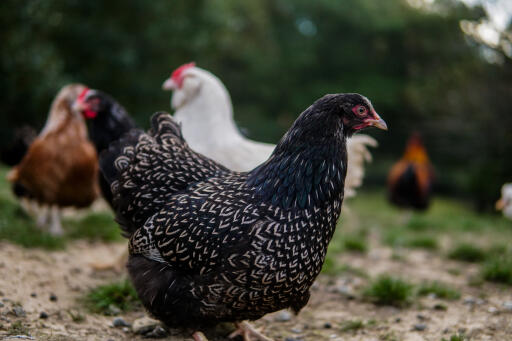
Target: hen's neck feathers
[[308, 166]]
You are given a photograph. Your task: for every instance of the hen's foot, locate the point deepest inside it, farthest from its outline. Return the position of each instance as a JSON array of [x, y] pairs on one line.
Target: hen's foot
[[199, 336], [248, 332]]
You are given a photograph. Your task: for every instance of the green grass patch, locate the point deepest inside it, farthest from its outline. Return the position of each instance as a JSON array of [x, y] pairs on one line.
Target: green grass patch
[[386, 290], [355, 243], [468, 253], [107, 298], [422, 242], [18, 328], [332, 267], [498, 269], [94, 226], [352, 326], [439, 289], [458, 337]]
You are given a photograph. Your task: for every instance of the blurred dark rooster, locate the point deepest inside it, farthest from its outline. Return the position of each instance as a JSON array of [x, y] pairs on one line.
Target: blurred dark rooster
[[60, 168], [107, 121], [13, 153], [208, 244], [410, 180]]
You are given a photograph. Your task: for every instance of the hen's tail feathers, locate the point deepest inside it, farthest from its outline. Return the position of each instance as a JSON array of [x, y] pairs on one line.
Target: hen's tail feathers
[[358, 154], [144, 169]]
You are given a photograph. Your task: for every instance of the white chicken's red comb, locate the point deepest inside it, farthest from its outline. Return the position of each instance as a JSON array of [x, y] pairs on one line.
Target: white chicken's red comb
[[176, 75]]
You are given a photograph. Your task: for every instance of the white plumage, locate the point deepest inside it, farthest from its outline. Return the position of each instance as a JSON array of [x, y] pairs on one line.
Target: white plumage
[[505, 202], [203, 107]]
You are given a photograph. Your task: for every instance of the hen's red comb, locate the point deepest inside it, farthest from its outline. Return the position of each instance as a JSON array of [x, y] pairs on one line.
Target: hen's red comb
[[86, 112], [176, 75], [81, 97]]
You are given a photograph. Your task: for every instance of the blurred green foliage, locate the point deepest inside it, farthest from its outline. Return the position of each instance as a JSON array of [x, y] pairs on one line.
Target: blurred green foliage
[[276, 57]]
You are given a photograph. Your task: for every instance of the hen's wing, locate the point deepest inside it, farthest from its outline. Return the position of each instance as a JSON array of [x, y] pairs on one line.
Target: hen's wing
[[145, 169]]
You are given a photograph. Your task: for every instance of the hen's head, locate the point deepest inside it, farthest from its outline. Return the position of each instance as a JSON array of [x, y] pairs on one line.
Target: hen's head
[[186, 83], [351, 111], [93, 103]]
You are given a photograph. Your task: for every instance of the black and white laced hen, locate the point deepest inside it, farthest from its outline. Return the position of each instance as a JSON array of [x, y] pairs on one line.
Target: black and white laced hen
[[210, 245]]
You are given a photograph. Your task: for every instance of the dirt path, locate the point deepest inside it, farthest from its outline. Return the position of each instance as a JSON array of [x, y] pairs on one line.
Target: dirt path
[[28, 278]]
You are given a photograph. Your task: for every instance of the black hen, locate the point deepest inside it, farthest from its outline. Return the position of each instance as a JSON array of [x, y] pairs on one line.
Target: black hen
[[107, 121], [208, 244]]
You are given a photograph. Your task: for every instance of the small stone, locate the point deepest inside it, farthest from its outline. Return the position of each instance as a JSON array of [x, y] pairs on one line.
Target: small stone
[[18, 311], [126, 329], [53, 297], [440, 306], [156, 333], [493, 310], [113, 310], [507, 305], [43, 315], [283, 316], [144, 325], [398, 320], [346, 291], [1, 304], [119, 322], [294, 339], [469, 300], [33, 294], [296, 330], [327, 325], [421, 317], [419, 327]]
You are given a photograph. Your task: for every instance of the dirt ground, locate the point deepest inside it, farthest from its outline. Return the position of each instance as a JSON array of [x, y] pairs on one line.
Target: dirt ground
[[30, 276]]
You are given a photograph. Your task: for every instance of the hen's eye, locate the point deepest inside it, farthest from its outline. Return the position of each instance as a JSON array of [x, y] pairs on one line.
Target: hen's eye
[[359, 110]]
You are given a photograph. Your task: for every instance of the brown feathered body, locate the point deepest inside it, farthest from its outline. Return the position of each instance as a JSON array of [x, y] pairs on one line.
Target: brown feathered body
[[410, 179], [61, 166]]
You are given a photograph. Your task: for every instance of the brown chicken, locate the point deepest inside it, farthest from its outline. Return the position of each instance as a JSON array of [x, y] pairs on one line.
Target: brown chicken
[[60, 168], [410, 179]]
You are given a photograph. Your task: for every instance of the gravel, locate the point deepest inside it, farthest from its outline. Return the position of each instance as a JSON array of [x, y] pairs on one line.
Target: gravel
[[18, 311], [420, 327], [119, 322], [43, 315], [53, 297], [283, 316]]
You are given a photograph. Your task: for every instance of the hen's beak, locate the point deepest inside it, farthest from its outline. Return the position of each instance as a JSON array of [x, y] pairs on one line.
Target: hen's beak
[[169, 84], [500, 204], [376, 122]]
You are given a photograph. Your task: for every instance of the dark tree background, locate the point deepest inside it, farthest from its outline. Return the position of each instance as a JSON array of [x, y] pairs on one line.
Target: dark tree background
[[277, 56]]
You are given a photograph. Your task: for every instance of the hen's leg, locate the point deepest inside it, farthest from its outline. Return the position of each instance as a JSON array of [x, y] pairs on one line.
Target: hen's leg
[[55, 225], [248, 332], [199, 336], [42, 216]]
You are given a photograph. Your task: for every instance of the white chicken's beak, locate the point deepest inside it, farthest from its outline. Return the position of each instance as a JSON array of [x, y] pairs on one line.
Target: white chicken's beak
[[169, 84]]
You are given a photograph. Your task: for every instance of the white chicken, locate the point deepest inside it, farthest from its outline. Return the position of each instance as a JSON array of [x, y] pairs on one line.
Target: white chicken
[[203, 107], [505, 202]]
